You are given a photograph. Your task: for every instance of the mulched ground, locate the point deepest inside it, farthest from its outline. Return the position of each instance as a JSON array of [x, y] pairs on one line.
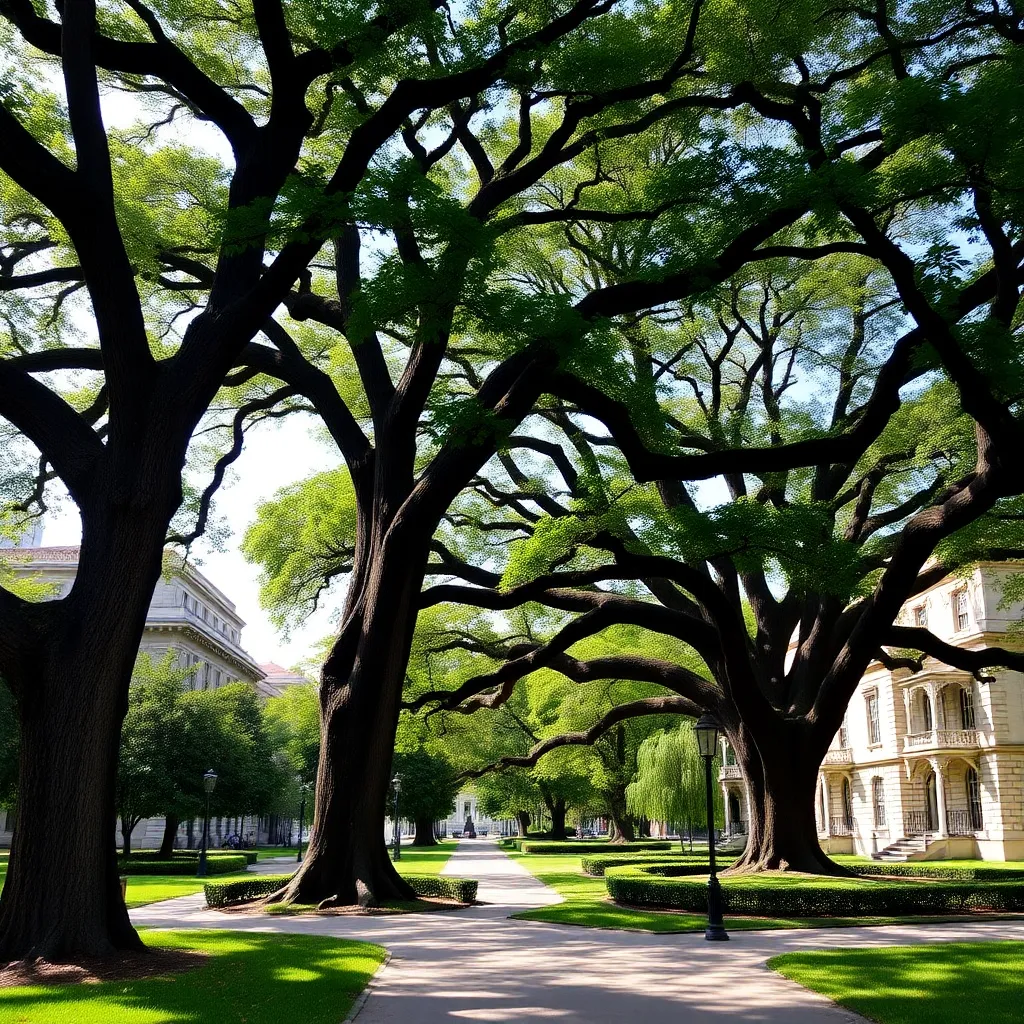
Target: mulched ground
[[92, 970], [424, 905]]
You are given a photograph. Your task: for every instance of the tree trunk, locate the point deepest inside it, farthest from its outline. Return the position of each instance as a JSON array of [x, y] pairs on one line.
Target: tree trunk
[[62, 897], [360, 695], [170, 834], [621, 830], [126, 837], [424, 833], [556, 808], [523, 817], [782, 834]]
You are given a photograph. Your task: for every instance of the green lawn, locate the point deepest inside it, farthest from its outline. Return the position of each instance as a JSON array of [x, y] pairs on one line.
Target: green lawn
[[949, 983], [258, 979], [426, 860], [588, 906], [143, 889]]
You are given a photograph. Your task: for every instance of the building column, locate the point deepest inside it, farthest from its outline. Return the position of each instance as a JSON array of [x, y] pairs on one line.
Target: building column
[[826, 810], [940, 797], [728, 809]]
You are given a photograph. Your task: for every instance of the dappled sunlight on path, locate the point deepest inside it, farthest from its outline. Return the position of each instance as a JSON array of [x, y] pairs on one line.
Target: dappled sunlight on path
[[477, 965]]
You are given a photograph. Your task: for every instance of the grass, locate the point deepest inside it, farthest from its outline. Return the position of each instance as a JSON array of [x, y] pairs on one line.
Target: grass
[[425, 860], [250, 977], [947, 983], [587, 905], [143, 889]]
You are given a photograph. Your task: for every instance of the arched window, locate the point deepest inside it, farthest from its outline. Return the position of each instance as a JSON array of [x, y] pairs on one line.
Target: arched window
[[878, 800], [966, 708], [974, 800], [924, 706]]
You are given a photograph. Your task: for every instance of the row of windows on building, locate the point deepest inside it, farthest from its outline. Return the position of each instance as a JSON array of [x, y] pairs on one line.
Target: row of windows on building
[[961, 617], [205, 676], [923, 711], [925, 820], [200, 610]]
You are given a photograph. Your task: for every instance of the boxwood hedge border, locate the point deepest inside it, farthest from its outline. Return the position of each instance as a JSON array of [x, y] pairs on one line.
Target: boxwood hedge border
[[226, 894], [665, 885], [582, 846], [596, 864], [936, 869], [216, 864]]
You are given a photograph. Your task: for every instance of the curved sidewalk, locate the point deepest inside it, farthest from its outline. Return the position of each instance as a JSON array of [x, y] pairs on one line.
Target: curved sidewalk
[[477, 965]]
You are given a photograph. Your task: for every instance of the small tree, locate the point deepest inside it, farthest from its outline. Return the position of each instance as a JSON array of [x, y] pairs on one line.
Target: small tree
[[429, 785], [669, 784]]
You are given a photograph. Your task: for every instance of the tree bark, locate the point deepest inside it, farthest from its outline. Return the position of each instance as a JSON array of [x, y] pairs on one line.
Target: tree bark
[[523, 817], [62, 897], [782, 834], [360, 694], [126, 837], [424, 833], [170, 834], [556, 808]]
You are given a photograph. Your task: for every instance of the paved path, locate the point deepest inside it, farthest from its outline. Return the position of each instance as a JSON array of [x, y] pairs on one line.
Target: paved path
[[476, 965]]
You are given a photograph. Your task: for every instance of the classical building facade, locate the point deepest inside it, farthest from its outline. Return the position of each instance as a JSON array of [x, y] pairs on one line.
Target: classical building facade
[[188, 616], [928, 764]]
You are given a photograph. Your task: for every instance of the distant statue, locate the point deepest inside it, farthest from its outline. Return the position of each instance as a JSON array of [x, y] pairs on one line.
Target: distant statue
[[469, 832]]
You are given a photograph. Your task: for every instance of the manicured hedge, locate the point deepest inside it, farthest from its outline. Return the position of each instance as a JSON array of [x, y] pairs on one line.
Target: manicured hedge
[[225, 894], [596, 864], [216, 864], [660, 885], [461, 889], [936, 869], [582, 846]]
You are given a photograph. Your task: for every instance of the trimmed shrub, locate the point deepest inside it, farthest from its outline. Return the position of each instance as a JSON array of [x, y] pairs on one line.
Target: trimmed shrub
[[461, 889], [936, 869], [216, 864], [589, 846], [226, 894], [596, 864], [660, 885]]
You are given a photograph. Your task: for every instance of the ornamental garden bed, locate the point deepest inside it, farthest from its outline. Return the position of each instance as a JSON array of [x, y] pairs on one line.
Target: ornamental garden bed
[[584, 846], [220, 895], [795, 895], [596, 864]]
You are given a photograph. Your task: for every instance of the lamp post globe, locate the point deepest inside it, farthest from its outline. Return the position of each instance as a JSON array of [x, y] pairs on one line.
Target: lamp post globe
[[707, 731], [396, 785], [209, 784]]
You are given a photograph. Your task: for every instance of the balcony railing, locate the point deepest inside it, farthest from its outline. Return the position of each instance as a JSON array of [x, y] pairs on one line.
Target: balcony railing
[[730, 771], [841, 826], [941, 739], [958, 823], [841, 755], [916, 823]]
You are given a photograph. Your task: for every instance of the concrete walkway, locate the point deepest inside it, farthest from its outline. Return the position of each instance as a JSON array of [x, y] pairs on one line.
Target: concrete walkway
[[477, 965]]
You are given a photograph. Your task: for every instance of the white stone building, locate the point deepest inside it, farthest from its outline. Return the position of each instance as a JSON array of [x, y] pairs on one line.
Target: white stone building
[[928, 764], [188, 615]]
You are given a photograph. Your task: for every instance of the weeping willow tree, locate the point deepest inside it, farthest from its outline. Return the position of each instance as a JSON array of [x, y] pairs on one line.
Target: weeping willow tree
[[669, 781]]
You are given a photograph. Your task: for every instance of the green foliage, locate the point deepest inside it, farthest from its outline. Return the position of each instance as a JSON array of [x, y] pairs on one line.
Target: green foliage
[[582, 846], [669, 784], [809, 896], [954, 872], [172, 735], [596, 864], [225, 894], [293, 725], [216, 864], [429, 784]]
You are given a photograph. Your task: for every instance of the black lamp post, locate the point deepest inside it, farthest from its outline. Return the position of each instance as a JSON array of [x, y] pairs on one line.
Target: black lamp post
[[304, 790], [396, 785], [209, 782], [707, 742]]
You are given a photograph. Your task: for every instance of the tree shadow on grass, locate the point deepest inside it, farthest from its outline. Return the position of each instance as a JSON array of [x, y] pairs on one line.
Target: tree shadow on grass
[[250, 977]]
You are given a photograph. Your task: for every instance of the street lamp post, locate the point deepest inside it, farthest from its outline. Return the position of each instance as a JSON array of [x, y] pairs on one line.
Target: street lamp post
[[396, 785], [209, 782], [304, 790], [707, 742]]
